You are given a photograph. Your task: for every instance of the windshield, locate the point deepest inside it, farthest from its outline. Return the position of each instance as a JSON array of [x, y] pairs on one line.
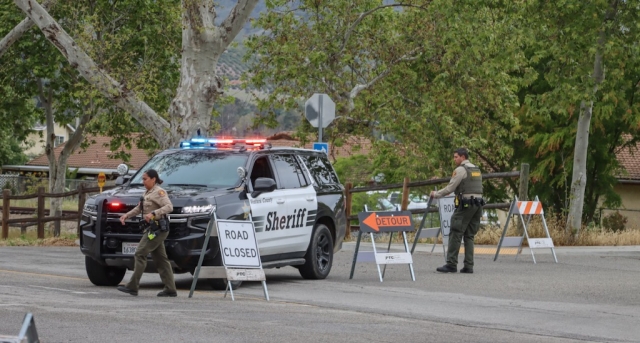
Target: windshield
[[195, 168]]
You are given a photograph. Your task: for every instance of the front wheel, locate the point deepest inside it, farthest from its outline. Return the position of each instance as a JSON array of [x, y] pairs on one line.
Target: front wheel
[[101, 275], [319, 257]]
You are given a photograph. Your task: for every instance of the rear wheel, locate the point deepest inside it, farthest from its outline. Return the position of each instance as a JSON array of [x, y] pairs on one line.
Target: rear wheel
[[319, 257], [101, 275]]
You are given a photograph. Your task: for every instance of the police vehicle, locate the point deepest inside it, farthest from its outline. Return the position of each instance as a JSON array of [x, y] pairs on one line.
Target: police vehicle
[[292, 195]]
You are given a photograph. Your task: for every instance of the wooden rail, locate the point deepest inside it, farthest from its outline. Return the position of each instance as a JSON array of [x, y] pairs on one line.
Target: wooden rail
[[522, 174], [40, 218]]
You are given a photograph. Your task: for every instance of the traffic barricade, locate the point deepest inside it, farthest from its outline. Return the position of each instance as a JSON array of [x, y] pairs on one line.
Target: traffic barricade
[[377, 222], [240, 255], [529, 209]]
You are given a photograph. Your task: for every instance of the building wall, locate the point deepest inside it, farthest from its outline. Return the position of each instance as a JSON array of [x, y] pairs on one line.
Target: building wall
[[40, 142], [630, 208]]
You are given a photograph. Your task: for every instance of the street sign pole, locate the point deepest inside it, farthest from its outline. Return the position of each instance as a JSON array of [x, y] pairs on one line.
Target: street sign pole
[[320, 118]]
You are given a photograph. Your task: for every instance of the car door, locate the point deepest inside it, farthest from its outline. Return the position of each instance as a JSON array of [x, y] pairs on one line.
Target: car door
[[293, 230], [266, 207]]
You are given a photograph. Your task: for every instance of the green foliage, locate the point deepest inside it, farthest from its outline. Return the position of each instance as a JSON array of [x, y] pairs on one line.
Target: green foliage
[[33, 182], [614, 221], [356, 169], [10, 186]]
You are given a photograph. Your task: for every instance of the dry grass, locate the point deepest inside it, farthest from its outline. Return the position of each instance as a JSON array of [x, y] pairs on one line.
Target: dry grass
[[589, 236], [67, 237]]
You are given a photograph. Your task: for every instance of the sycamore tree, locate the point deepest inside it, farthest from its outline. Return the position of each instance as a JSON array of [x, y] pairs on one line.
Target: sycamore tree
[[199, 87], [588, 54], [119, 44]]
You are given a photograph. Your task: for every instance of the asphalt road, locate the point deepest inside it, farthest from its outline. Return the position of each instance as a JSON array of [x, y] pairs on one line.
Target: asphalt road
[[591, 295]]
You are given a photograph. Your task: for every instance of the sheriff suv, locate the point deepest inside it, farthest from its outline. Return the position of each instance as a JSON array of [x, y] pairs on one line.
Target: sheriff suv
[[292, 195]]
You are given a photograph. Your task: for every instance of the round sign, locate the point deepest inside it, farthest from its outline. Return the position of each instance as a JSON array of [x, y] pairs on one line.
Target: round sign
[[101, 179]]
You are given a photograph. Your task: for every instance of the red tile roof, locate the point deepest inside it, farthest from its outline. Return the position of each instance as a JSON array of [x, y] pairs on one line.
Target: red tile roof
[[629, 159], [95, 156], [353, 145]]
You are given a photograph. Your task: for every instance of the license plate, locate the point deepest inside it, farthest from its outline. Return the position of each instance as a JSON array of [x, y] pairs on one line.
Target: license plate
[[129, 248]]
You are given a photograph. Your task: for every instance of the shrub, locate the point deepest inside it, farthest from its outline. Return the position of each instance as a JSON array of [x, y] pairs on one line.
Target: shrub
[[614, 221]]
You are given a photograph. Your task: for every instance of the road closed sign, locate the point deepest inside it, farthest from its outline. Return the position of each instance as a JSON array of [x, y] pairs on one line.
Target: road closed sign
[[446, 207], [238, 244]]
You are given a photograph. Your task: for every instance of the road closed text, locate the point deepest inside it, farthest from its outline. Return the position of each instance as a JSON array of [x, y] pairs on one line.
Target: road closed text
[[240, 252]]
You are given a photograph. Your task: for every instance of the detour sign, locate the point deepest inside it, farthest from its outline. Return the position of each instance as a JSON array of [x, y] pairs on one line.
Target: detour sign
[[385, 221]]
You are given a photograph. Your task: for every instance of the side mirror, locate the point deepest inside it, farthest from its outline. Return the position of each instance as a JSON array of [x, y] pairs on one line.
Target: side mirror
[[121, 180], [242, 172], [263, 185]]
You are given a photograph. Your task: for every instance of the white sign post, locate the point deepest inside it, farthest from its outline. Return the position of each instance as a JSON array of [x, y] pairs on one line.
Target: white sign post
[[240, 254]]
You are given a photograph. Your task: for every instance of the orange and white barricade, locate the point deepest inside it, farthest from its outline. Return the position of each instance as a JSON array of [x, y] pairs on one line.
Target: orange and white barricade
[[529, 209]]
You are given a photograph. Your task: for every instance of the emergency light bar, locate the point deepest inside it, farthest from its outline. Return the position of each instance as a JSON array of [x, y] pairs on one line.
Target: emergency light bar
[[223, 143]]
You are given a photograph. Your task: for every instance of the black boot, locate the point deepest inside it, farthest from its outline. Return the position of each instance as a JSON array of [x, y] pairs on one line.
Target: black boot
[[447, 269]]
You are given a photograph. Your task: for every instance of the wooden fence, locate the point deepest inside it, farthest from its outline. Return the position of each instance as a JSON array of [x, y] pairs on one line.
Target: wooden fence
[[40, 218], [522, 174]]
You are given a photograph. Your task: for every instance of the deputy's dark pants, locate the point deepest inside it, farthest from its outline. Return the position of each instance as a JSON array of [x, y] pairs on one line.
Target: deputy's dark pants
[[156, 248], [465, 222]]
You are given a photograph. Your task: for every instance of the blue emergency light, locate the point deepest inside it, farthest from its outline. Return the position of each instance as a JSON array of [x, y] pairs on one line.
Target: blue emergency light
[[223, 143]]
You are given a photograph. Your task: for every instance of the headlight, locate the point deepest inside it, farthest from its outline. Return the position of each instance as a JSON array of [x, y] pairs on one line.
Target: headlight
[[199, 209], [90, 207]]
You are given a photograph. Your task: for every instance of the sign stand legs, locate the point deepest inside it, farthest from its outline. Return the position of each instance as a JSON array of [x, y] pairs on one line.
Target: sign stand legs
[[202, 252], [355, 255], [373, 243]]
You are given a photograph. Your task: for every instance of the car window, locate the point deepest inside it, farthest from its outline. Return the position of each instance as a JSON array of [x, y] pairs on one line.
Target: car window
[[195, 168], [261, 168], [320, 169], [289, 171]]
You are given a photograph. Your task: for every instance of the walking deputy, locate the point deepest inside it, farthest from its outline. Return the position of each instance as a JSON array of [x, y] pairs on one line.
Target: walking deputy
[[154, 205]]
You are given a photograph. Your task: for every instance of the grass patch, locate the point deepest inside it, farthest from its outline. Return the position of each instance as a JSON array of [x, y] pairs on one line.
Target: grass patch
[[67, 238]]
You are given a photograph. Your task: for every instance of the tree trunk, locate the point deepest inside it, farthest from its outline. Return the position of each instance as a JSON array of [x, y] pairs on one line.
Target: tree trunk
[[20, 29], [202, 45], [58, 167], [579, 176]]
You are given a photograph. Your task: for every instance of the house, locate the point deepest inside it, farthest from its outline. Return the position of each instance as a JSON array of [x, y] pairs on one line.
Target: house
[[36, 141], [628, 186], [89, 162]]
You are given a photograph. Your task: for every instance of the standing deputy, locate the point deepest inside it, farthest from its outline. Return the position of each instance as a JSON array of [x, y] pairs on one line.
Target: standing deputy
[[156, 206], [466, 181]]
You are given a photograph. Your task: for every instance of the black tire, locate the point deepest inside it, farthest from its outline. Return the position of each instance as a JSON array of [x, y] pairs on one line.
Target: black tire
[[218, 284], [319, 257], [101, 275]]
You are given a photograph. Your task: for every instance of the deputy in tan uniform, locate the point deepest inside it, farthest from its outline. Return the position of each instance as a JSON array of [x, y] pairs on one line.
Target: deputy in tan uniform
[[466, 182], [156, 206]]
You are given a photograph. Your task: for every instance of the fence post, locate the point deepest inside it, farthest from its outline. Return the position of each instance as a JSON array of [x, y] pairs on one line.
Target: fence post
[[523, 190], [81, 200], [40, 212], [5, 213], [405, 194], [347, 191]]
